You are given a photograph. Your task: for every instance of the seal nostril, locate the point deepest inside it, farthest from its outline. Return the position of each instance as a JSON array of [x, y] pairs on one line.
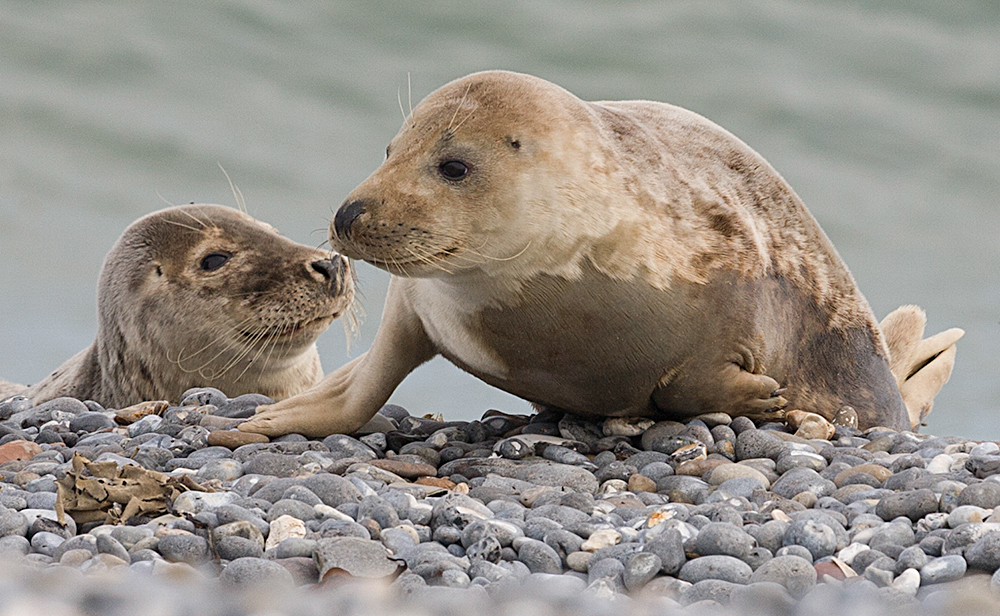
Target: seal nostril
[[346, 216], [325, 268]]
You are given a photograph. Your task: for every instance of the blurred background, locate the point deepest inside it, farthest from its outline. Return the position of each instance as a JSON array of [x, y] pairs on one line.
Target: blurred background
[[884, 116]]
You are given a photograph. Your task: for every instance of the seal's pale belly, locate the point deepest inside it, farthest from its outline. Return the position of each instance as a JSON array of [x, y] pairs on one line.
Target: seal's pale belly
[[595, 348]]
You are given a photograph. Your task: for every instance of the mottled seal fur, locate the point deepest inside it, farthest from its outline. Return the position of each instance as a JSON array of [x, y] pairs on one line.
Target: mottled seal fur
[[625, 258], [204, 295]]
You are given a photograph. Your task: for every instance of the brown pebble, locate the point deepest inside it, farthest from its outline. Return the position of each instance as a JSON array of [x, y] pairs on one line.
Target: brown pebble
[[816, 427], [806, 499], [408, 469], [828, 568], [234, 438], [18, 450], [134, 413], [697, 468], [880, 473], [884, 443], [641, 483], [23, 478], [437, 482]]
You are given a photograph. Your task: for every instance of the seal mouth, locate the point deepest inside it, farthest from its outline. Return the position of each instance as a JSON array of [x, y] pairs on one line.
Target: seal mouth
[[289, 330], [401, 265]]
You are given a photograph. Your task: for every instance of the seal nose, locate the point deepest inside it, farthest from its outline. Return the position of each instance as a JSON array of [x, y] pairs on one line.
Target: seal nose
[[346, 216], [333, 271]]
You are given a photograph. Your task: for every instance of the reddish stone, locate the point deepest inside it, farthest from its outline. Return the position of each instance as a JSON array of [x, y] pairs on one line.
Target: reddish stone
[[18, 450]]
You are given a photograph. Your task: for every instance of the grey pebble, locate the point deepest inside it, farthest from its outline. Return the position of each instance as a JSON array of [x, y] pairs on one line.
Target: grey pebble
[[794, 573], [46, 543], [641, 568], [233, 547], [13, 523], [913, 505], [242, 407], [943, 569], [669, 548], [539, 557], [716, 567], [723, 538], [186, 548], [799, 480], [251, 572], [107, 544], [816, 537]]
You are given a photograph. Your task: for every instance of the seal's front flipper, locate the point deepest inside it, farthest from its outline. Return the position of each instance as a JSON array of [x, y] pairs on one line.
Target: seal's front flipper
[[756, 396], [726, 387]]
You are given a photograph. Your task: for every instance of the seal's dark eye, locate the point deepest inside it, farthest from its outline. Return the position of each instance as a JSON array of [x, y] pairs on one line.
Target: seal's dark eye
[[453, 170], [214, 261]]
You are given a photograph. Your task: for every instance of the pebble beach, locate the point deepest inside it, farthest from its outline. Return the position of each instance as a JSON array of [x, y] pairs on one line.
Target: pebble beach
[[171, 509]]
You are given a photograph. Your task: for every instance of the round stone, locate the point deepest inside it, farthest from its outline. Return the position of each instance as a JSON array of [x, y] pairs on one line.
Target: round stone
[[203, 396], [574, 477], [913, 505], [985, 553], [333, 490], [184, 548], [242, 407], [799, 480], [252, 572], [342, 446], [91, 422], [539, 557], [641, 568], [716, 567], [815, 536], [46, 543], [796, 574], [943, 569], [669, 548], [985, 494], [233, 547], [358, 557], [725, 472], [758, 444], [723, 538]]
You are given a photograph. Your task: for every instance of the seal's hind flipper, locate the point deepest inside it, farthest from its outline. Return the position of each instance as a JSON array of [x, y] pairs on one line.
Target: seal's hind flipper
[[8, 389], [920, 366]]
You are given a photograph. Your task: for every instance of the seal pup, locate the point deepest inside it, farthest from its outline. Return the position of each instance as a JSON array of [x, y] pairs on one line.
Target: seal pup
[[624, 258], [204, 295]]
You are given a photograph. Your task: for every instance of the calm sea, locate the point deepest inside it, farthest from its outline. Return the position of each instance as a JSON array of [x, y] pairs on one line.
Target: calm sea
[[884, 116]]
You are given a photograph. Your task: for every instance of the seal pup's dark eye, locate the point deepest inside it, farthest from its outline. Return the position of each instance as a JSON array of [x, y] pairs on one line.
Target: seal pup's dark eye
[[453, 170], [214, 261]]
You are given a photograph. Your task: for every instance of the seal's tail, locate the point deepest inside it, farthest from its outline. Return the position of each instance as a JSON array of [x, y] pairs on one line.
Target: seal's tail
[[920, 365]]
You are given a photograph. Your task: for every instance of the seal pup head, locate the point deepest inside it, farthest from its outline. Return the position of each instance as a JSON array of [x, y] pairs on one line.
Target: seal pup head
[[205, 295], [479, 175]]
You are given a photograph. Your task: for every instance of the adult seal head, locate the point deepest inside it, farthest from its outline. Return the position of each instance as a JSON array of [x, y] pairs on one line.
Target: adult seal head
[[605, 259], [204, 295]]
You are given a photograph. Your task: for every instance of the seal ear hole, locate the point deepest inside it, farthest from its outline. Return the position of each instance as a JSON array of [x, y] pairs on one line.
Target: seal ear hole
[[453, 170], [214, 260], [515, 143], [159, 270]]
